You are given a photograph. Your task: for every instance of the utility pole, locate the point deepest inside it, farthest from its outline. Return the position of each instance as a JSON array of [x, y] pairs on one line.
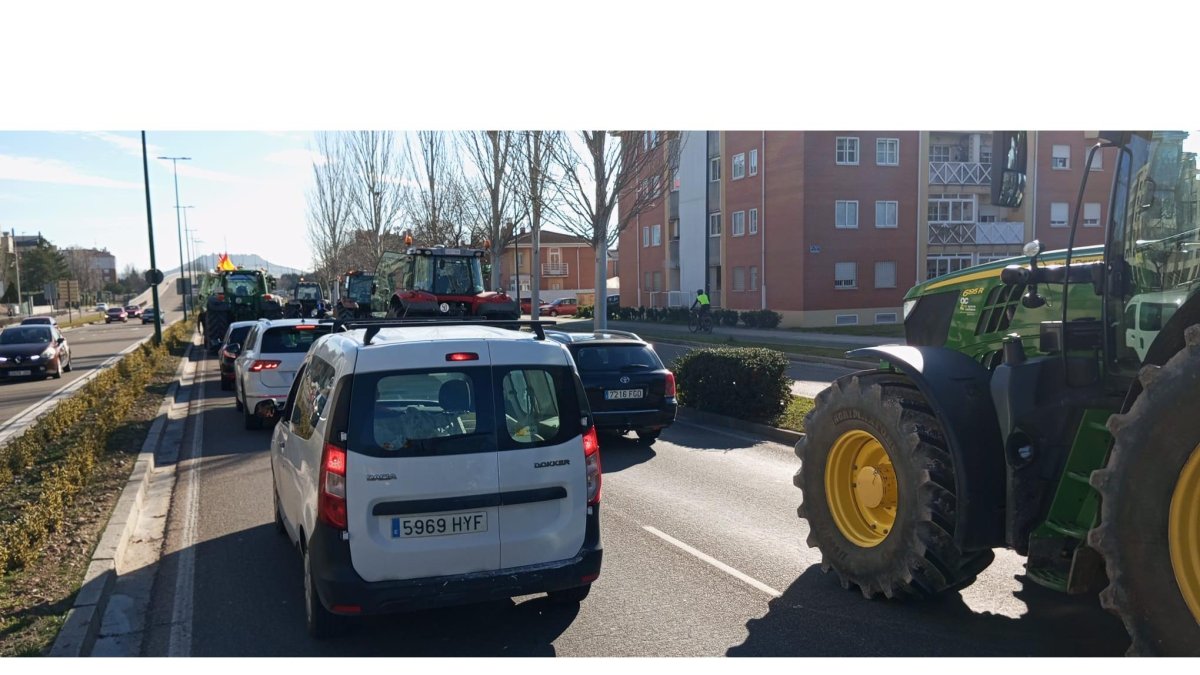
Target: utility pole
[[17, 262], [191, 273], [178, 225], [150, 227]]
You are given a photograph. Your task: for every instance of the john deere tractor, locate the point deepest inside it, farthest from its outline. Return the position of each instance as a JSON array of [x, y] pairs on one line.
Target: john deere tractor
[[235, 295], [306, 301], [1045, 404]]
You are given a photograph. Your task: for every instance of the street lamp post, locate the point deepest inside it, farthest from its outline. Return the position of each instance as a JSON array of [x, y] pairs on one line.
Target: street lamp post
[[191, 274], [150, 227], [178, 225]]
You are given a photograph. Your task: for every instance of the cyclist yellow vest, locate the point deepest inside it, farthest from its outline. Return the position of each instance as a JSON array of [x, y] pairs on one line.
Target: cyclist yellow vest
[[702, 299]]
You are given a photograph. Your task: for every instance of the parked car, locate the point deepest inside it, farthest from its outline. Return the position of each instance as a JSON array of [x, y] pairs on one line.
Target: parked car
[[527, 303], [613, 302], [270, 355], [148, 315], [133, 311], [33, 351], [422, 466], [627, 385], [115, 314], [231, 346], [39, 321], [102, 307], [563, 306]]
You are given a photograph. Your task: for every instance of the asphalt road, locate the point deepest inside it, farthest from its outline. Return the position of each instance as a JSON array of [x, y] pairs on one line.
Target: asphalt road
[[704, 556], [90, 346]]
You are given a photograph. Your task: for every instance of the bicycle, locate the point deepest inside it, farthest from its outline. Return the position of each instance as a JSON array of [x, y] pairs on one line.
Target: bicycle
[[700, 322]]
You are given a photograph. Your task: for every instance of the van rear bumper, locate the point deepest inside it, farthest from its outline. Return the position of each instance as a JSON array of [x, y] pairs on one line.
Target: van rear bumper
[[338, 584]]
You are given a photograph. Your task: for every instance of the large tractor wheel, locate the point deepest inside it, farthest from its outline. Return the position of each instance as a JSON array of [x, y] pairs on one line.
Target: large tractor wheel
[[345, 314], [1149, 532], [879, 490], [214, 329]]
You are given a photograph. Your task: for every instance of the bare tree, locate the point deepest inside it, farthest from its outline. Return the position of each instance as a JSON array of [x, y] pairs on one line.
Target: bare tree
[[601, 169], [377, 193], [329, 210], [494, 157], [537, 188], [440, 205]]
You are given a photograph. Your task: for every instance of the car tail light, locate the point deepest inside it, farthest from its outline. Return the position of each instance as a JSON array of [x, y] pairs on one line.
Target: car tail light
[[268, 297], [228, 354], [591, 460], [263, 365], [220, 297], [462, 356], [331, 500], [669, 389]]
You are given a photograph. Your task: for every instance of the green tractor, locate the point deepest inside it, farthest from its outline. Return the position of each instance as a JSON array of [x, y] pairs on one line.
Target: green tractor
[[1045, 404], [306, 301], [356, 289], [235, 295]]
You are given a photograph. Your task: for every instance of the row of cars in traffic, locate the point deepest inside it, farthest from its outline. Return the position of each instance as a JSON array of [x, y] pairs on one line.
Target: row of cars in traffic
[[36, 348], [418, 464], [124, 314]]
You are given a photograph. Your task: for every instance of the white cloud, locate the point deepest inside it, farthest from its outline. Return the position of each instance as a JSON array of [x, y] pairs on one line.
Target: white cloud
[[40, 170], [296, 157]]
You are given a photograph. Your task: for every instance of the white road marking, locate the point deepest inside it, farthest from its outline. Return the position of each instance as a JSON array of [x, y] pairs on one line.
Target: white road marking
[[180, 642], [714, 562]]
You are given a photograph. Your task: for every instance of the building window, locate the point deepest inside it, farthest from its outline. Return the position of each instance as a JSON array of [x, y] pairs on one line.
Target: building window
[[739, 278], [885, 317], [845, 214], [520, 260], [846, 319], [647, 281], [714, 224], [1091, 215], [886, 214], [739, 166], [937, 265], [845, 275], [941, 153], [658, 281], [847, 150], [645, 237], [754, 162], [1060, 157], [985, 157], [753, 278], [1098, 161], [887, 151], [1058, 214], [951, 209], [885, 274], [737, 223], [753, 221], [714, 169], [656, 235]]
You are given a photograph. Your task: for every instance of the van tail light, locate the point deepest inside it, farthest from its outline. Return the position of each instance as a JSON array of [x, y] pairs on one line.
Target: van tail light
[[669, 389], [331, 499], [591, 461], [260, 365]]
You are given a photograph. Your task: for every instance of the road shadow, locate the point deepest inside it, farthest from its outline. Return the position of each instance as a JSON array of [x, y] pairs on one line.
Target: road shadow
[[693, 436], [621, 452], [249, 601], [816, 617]]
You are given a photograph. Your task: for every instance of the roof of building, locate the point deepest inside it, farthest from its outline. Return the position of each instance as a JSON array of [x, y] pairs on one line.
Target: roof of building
[[550, 237]]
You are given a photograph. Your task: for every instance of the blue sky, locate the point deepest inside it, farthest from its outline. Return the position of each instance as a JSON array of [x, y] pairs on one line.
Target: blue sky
[[85, 189]]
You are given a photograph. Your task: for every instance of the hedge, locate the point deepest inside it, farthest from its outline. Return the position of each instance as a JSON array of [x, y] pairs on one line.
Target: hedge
[[80, 425], [759, 318], [748, 383]]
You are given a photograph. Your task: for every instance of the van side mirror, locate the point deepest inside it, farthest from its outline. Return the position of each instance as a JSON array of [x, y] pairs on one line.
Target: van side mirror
[[1009, 167], [233, 348]]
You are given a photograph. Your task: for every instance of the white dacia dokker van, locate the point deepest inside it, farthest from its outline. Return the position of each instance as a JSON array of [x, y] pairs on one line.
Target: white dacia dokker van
[[419, 465]]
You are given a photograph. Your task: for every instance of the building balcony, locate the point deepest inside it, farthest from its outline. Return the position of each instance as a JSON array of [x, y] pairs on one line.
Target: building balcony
[[673, 254], [959, 173], [554, 269], [1000, 232]]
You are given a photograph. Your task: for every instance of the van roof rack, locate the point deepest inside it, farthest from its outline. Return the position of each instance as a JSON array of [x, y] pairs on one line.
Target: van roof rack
[[373, 326]]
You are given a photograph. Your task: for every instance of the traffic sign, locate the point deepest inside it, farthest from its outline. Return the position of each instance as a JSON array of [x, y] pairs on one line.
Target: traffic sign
[[154, 277]]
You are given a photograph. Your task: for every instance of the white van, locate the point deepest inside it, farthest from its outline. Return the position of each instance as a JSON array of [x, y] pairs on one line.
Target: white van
[[1146, 314], [423, 465]]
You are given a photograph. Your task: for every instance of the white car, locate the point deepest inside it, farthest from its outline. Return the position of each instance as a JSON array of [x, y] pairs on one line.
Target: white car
[[101, 307], [263, 371], [428, 465]]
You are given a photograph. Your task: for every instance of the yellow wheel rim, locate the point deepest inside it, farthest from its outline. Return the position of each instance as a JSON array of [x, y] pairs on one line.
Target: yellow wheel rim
[[860, 486], [1183, 532]]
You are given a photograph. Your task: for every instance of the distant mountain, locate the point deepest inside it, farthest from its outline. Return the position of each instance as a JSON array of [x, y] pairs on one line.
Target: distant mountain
[[249, 261]]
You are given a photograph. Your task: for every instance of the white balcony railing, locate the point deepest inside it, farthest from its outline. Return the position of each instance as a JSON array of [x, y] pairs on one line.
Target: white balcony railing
[[1001, 232], [554, 269], [959, 173]]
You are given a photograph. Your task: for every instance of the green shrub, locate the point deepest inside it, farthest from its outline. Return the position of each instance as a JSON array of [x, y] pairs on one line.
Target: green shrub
[[768, 318], [727, 317], [586, 312], [750, 319], [742, 382]]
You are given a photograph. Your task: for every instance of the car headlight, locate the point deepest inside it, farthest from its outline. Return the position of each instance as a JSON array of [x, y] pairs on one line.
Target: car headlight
[[35, 357], [909, 306], [48, 354], [3, 359]]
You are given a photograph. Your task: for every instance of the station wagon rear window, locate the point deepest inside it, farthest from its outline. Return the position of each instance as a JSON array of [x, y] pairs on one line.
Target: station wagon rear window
[[628, 358], [292, 339]]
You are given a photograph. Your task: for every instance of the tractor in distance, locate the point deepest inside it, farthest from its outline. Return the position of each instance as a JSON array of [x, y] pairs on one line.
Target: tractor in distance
[[235, 295], [1045, 404], [435, 281], [356, 289], [306, 301]]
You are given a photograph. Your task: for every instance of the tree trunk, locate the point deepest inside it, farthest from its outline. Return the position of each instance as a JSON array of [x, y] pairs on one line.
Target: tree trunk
[[600, 307]]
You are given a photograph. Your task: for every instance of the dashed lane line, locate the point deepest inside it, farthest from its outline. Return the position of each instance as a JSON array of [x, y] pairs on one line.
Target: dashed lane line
[[741, 576]]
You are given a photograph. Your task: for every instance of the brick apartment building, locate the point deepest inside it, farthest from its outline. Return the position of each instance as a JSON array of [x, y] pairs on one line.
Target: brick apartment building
[[567, 265], [833, 227]]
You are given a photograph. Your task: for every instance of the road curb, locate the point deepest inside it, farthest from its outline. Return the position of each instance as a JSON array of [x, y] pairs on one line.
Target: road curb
[[785, 436], [78, 634]]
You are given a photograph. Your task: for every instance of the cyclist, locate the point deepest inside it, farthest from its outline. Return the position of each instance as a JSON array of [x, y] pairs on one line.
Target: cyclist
[[702, 301]]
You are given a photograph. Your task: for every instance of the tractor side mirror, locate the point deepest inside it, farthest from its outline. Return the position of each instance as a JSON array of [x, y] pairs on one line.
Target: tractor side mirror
[[1031, 299], [1008, 168]]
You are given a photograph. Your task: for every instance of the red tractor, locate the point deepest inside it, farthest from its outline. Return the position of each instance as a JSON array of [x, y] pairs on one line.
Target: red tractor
[[436, 281]]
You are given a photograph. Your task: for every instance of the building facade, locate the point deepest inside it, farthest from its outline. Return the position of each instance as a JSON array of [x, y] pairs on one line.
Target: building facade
[[566, 265], [833, 227]]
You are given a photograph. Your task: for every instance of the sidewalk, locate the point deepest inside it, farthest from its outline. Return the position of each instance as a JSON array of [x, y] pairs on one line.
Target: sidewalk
[[767, 335]]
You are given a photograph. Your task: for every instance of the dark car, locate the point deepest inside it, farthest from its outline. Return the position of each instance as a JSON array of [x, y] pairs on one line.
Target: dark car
[[39, 321], [116, 314], [627, 385], [231, 346], [148, 315], [36, 352]]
